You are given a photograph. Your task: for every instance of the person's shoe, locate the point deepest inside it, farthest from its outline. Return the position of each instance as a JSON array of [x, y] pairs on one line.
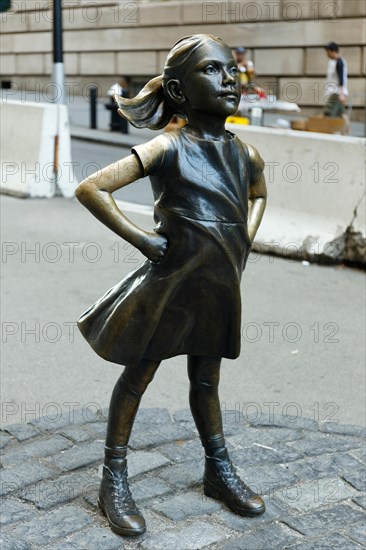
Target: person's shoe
[[116, 502], [223, 483]]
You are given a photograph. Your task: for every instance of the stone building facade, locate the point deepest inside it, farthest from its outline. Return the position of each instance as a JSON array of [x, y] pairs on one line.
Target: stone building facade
[[104, 39]]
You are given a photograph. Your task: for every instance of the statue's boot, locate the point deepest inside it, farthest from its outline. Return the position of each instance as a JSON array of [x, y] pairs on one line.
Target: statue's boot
[[115, 499], [223, 483]]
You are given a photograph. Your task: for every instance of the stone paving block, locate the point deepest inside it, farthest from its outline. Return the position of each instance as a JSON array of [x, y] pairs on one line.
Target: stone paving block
[[149, 488], [79, 457], [335, 464], [184, 475], [12, 511], [65, 545], [181, 451], [15, 479], [76, 434], [321, 443], [234, 428], [190, 537], [94, 538], [360, 500], [47, 494], [358, 532], [233, 421], [97, 429], [91, 499], [183, 415], [153, 416], [69, 418], [51, 424], [145, 435], [345, 429], [239, 523], [36, 449], [9, 542], [320, 521], [263, 436], [293, 422], [322, 464], [314, 494], [47, 527], [90, 413], [104, 415], [357, 478], [22, 432], [274, 536], [264, 480], [331, 541], [185, 505], [360, 454], [233, 416], [142, 461], [4, 440], [256, 454]]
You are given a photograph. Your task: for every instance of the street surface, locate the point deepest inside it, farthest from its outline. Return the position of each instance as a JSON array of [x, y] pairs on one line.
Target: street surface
[[303, 330], [90, 157]]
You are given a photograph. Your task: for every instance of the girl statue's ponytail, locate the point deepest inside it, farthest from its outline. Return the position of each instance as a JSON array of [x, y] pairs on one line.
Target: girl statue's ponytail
[[149, 109]]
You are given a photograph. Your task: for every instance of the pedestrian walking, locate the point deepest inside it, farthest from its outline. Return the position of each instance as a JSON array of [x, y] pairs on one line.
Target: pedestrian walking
[[336, 86]]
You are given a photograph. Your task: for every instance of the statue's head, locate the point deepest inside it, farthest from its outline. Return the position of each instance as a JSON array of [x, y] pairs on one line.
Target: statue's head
[[200, 75], [199, 69]]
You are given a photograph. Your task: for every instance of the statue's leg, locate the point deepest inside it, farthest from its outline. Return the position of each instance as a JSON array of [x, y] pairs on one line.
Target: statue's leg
[[204, 376], [115, 499], [220, 479]]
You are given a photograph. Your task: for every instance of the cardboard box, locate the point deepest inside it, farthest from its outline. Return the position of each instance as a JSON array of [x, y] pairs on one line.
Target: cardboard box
[[299, 125], [325, 125]]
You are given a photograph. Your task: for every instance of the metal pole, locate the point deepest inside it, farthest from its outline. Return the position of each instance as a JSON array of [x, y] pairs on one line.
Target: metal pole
[[93, 107], [58, 75]]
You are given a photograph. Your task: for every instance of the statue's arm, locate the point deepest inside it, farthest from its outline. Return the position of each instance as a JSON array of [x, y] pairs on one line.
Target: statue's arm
[[95, 193], [257, 193], [257, 205]]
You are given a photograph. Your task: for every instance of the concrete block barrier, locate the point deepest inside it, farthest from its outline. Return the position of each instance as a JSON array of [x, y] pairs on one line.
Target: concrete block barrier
[[316, 194], [36, 150]]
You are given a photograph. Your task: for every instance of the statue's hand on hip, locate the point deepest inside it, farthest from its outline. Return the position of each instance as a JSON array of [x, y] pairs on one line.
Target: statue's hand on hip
[[154, 247]]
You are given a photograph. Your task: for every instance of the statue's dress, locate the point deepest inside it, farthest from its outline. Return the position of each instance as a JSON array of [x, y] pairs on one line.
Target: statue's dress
[[189, 302]]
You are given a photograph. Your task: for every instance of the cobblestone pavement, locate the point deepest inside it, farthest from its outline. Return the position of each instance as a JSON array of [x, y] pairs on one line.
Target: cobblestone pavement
[[313, 478]]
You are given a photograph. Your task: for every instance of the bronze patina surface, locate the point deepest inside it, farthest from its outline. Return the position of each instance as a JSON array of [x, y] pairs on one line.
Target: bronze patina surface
[[210, 196]]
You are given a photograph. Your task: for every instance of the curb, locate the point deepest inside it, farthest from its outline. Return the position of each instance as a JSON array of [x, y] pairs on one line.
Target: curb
[[109, 138]]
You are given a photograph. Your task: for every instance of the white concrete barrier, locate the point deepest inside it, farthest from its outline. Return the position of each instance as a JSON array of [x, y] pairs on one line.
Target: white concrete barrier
[[36, 149], [316, 193]]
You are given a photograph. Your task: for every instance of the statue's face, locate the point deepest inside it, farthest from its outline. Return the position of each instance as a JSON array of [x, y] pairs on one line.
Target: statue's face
[[212, 83]]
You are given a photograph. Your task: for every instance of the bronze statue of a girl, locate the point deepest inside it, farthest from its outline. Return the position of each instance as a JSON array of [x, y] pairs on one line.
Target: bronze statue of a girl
[[210, 196]]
